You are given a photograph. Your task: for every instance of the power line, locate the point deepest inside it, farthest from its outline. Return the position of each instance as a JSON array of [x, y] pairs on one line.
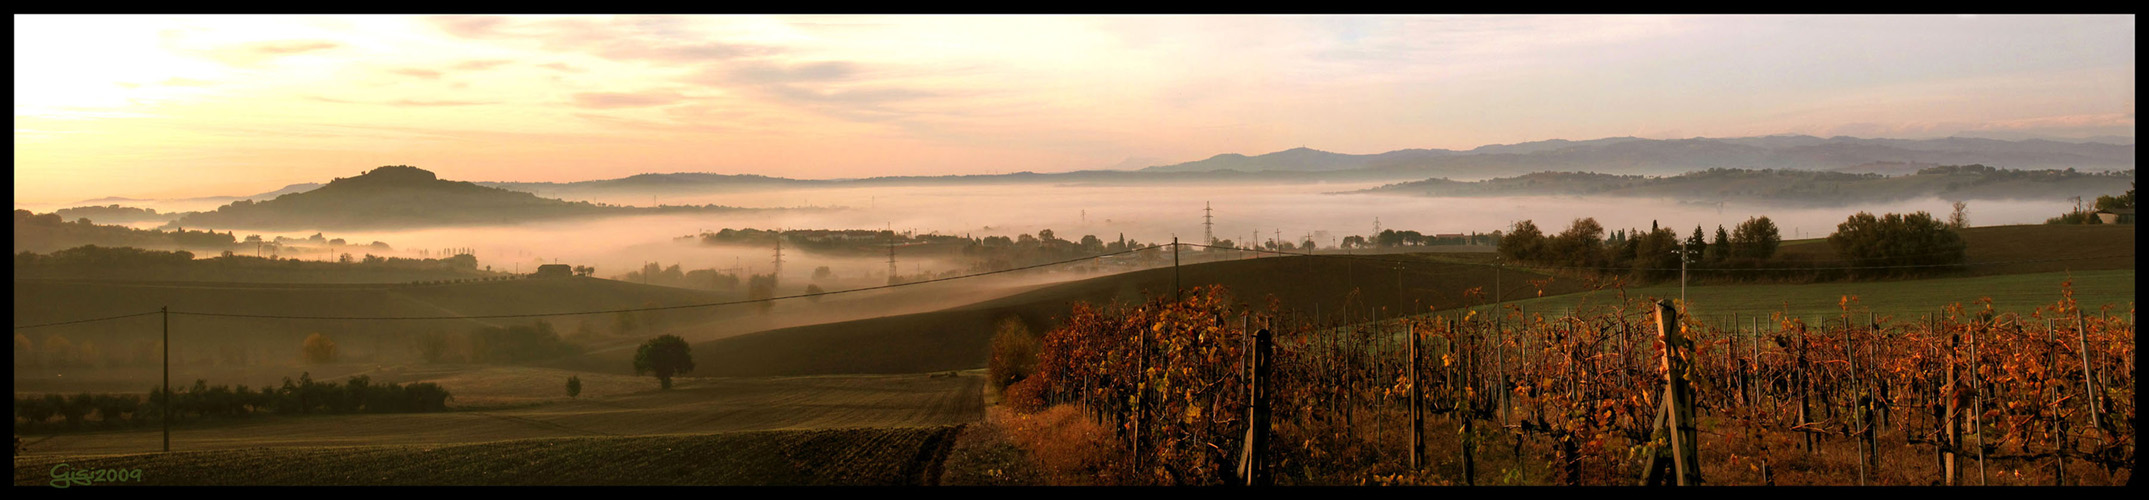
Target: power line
[[41, 325]]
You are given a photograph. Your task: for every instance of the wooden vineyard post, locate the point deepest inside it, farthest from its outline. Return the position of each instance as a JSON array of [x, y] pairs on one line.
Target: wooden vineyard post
[[1857, 397], [1675, 417], [2059, 424], [2089, 376], [1253, 459], [1141, 397], [1468, 405], [1417, 402], [1977, 404], [1953, 419]]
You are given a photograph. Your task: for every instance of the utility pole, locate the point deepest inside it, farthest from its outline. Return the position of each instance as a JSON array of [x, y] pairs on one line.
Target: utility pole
[[167, 406], [1682, 277], [1175, 268], [891, 254]]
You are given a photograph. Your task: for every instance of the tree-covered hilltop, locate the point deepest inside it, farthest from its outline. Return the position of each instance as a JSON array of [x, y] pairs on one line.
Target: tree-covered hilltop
[[116, 214], [402, 196], [36, 232], [1958, 182]]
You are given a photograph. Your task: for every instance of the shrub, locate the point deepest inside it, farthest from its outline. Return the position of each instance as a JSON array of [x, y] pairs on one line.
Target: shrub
[[1014, 353], [318, 349]]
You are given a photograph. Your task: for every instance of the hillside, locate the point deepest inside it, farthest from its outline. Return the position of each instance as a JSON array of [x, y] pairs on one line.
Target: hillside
[[401, 197], [956, 338]]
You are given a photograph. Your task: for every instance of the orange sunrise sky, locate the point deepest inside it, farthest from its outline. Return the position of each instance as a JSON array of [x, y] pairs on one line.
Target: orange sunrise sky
[[177, 106]]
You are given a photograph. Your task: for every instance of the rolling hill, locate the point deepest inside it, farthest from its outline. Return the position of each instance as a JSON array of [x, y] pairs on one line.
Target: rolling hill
[[401, 197]]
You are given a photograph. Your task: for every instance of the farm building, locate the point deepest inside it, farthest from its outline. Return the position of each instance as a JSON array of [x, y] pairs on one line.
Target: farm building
[[2116, 216], [554, 271]]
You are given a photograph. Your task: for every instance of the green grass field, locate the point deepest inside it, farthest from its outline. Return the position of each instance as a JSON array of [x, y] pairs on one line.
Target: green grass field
[[1908, 298]]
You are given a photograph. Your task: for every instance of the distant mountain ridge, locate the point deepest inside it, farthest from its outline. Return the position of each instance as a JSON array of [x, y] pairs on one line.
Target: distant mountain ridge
[[1800, 187], [1636, 156]]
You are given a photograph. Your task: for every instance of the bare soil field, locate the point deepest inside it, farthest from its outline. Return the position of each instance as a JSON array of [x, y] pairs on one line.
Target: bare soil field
[[694, 406], [957, 338], [850, 456]]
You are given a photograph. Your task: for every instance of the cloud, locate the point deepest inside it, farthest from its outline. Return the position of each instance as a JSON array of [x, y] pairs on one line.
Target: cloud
[[558, 66], [251, 54], [443, 102], [605, 100], [478, 65], [415, 72], [756, 73], [638, 51], [469, 26], [631, 38], [405, 102]]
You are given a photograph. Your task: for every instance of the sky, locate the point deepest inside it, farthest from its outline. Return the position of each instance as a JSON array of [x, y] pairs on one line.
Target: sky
[[181, 106]]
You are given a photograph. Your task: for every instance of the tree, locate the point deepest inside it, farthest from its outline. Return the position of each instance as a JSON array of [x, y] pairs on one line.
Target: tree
[[1524, 243], [760, 288], [1696, 245], [1014, 353], [822, 273], [318, 349], [1960, 218], [664, 356], [1582, 244], [574, 386], [2121, 202], [1721, 247], [1656, 254], [1896, 240], [1755, 239], [813, 292]]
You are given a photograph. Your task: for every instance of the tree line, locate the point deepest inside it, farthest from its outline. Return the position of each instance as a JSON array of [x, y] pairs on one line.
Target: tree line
[[1906, 243], [358, 394]]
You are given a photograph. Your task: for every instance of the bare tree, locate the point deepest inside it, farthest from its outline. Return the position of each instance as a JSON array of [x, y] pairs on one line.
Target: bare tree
[[1960, 218]]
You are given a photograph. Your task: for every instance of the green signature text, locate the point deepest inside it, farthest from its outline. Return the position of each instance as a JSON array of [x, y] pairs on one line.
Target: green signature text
[[64, 476]]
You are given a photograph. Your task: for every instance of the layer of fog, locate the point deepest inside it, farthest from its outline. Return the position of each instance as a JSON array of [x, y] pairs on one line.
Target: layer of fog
[[1145, 214]]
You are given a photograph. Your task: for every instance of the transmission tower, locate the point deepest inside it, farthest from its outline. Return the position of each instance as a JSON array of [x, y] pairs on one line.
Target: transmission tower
[[778, 270], [1207, 224]]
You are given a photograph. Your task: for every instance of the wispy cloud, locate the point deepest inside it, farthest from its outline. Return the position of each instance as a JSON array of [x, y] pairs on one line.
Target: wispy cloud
[[405, 102], [479, 65], [632, 38], [251, 54], [604, 100], [416, 72]]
